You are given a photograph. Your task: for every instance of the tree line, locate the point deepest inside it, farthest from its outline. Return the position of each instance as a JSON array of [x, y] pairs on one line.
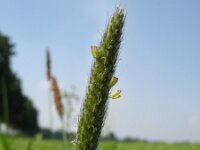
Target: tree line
[[21, 114]]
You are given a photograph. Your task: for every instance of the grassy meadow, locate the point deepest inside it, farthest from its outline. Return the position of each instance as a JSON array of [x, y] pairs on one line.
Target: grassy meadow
[[18, 143]]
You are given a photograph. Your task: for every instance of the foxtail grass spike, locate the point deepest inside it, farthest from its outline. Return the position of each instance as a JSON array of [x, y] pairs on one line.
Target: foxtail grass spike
[[48, 73], [57, 96], [94, 108]]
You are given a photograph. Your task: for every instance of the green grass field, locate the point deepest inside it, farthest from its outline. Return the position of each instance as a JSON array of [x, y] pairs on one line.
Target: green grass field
[[24, 143]]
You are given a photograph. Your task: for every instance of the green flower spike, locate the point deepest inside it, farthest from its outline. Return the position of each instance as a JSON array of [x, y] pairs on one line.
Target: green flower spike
[[93, 112]]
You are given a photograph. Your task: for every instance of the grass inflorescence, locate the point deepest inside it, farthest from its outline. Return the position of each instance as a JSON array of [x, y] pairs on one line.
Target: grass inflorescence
[[95, 105]]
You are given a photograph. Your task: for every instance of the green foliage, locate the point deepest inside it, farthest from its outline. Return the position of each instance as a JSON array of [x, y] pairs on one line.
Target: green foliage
[[25, 115], [19, 143], [30, 144], [5, 141], [110, 136], [95, 104], [47, 134], [5, 101]]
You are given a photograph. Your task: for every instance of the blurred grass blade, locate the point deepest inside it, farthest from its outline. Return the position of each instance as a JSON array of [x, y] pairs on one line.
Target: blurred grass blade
[[5, 141]]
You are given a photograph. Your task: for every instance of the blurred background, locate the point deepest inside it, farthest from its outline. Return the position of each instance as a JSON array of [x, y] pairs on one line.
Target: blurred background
[[158, 68]]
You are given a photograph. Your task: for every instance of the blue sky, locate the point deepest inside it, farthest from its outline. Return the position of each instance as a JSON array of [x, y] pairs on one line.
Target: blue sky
[[159, 63]]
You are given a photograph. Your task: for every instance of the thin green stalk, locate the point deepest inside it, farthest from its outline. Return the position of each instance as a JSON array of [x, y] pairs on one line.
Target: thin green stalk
[[94, 108], [5, 102], [66, 146], [50, 111]]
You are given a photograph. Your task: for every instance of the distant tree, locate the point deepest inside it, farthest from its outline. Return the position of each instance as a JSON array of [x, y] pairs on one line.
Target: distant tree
[[136, 140], [21, 113], [110, 136], [46, 133]]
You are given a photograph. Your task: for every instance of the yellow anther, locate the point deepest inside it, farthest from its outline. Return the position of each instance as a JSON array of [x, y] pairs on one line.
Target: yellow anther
[[113, 81], [116, 97], [116, 94], [94, 50]]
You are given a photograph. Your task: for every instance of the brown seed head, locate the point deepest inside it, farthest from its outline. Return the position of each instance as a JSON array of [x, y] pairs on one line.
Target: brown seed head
[[57, 96]]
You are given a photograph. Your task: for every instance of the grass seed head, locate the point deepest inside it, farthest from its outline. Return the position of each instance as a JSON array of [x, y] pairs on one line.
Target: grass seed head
[[57, 96]]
